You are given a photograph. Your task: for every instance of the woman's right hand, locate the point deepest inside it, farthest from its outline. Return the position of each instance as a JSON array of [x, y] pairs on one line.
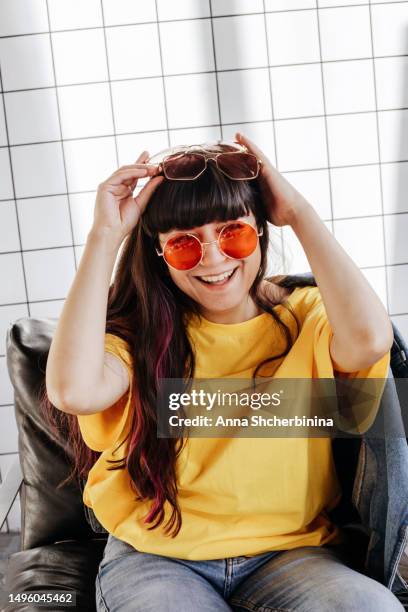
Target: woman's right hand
[[116, 210]]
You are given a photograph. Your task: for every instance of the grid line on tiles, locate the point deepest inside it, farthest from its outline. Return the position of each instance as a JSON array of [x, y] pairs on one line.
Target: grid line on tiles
[[393, 265], [166, 114], [24, 144], [379, 159], [373, 267], [121, 25], [81, 244], [60, 131], [281, 119], [177, 74], [325, 120], [6, 523], [14, 197], [110, 89], [273, 127], [385, 163], [26, 303], [216, 69]]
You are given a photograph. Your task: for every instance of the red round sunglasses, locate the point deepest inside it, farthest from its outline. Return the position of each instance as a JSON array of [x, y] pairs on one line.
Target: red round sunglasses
[[185, 251]]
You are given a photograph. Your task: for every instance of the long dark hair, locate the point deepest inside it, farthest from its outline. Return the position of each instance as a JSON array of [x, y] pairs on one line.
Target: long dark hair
[[147, 310]]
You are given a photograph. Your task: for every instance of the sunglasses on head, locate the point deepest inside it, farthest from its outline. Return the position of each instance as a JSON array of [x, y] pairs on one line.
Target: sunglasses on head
[[188, 162], [184, 251]]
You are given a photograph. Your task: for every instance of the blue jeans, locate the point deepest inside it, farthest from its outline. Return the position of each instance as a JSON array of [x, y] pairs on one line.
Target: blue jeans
[[305, 579]]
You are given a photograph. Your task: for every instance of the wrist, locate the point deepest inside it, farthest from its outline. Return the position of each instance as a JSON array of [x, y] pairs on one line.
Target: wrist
[[302, 210], [105, 238]]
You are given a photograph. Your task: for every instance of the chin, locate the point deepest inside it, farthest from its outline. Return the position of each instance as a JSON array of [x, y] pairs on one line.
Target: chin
[[221, 304]]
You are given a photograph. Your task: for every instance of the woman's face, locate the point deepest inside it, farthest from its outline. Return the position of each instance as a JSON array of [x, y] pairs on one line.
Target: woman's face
[[233, 291]]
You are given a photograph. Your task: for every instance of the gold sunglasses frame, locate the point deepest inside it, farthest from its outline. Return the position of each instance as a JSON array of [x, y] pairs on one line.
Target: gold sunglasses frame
[[205, 244], [208, 156]]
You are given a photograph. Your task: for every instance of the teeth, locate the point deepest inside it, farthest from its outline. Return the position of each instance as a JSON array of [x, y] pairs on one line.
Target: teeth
[[215, 279]]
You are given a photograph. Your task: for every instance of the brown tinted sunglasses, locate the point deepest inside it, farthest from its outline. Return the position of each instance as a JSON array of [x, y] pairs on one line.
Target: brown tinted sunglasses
[[188, 162]]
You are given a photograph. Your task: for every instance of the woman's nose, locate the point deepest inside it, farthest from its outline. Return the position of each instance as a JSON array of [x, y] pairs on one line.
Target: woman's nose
[[212, 254]]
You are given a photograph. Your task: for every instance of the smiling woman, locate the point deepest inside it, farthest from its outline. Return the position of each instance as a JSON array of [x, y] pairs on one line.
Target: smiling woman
[[215, 226], [225, 271], [190, 300]]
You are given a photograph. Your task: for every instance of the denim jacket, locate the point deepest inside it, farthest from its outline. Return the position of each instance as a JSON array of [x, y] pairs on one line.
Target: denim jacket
[[373, 473], [381, 483]]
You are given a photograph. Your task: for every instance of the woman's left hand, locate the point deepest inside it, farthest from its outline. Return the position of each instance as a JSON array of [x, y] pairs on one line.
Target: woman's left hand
[[283, 201]]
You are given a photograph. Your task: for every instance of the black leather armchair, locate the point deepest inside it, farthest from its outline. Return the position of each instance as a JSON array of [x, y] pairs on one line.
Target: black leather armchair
[[60, 548], [62, 543]]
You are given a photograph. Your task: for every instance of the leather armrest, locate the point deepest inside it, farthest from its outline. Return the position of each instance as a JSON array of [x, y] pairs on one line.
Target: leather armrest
[[64, 566]]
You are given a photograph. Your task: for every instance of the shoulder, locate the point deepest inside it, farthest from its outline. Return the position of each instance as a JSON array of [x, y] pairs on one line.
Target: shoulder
[[118, 346], [272, 289], [115, 340], [304, 301], [274, 292]]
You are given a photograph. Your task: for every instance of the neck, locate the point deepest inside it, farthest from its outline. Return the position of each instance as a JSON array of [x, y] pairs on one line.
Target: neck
[[243, 312]]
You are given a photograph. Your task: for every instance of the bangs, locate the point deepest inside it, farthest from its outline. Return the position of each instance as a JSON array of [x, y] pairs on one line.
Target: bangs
[[187, 204]]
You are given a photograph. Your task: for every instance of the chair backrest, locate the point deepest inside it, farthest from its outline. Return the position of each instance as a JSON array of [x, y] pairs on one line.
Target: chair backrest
[[48, 515]]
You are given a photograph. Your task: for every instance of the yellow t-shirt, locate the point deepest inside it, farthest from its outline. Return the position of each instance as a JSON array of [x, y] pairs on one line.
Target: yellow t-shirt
[[238, 496]]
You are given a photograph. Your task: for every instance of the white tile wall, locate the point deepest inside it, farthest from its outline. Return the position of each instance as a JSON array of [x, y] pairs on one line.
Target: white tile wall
[[79, 56], [182, 9], [133, 51], [349, 86], [320, 85], [69, 14], [297, 91], [129, 11], [293, 37], [191, 101], [232, 7], [254, 106], [32, 116], [186, 46], [14, 518], [240, 42], [301, 144], [345, 33]]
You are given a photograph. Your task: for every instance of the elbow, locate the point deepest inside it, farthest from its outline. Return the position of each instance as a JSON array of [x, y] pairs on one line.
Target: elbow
[[381, 340], [64, 402], [59, 401], [373, 346], [362, 350], [62, 397]]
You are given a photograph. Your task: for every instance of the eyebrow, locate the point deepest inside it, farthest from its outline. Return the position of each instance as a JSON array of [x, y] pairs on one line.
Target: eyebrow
[[194, 231]]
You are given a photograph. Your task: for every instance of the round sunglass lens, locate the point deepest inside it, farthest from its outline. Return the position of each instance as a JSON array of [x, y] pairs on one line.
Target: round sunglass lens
[[183, 166], [238, 240], [238, 165], [182, 252]]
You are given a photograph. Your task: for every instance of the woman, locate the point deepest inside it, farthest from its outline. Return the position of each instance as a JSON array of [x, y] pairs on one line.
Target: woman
[[215, 523]]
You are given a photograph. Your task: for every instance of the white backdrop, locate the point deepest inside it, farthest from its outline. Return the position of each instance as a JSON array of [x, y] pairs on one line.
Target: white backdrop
[[321, 87]]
